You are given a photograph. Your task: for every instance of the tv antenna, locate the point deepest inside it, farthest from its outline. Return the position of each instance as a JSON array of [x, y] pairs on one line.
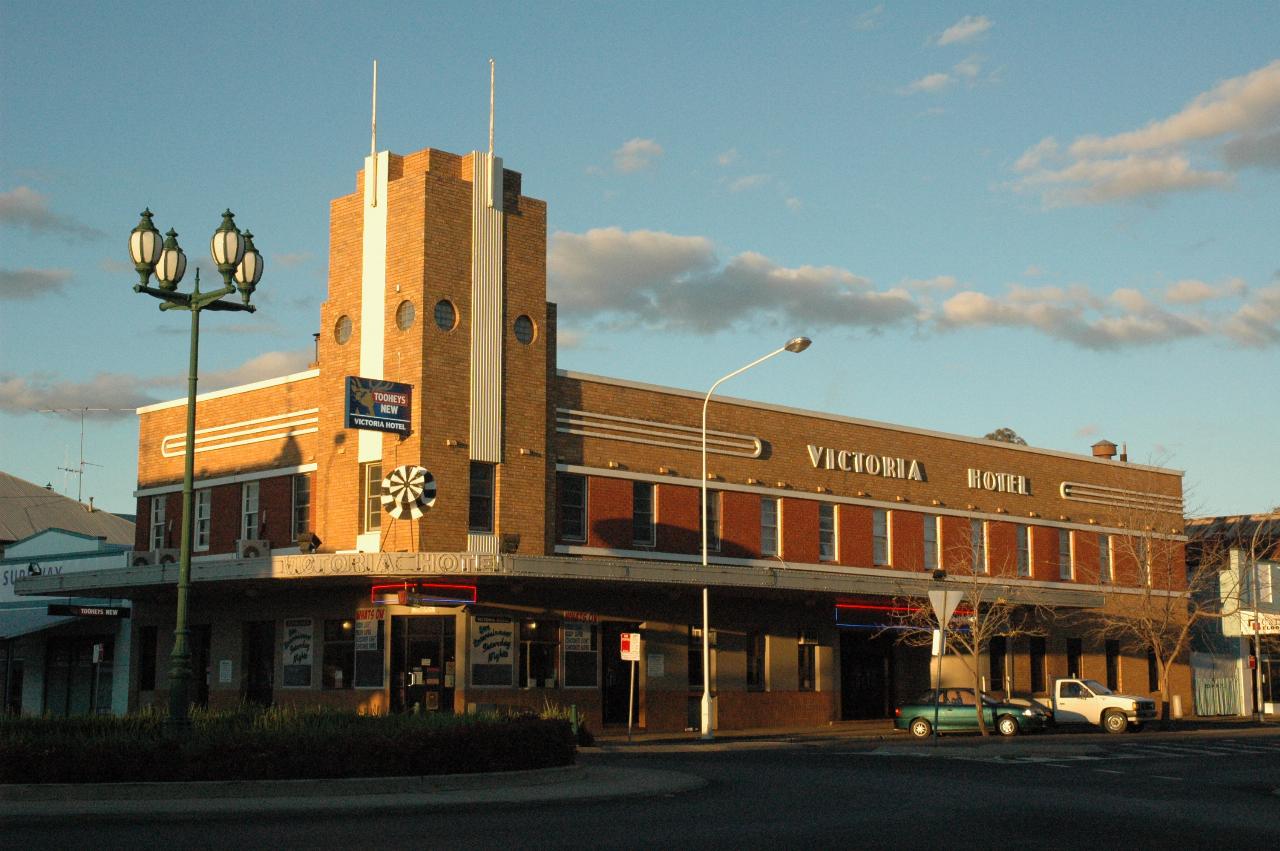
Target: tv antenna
[[78, 470]]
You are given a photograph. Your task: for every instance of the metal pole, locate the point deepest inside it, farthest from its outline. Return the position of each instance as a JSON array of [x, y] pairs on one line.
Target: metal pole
[[937, 686], [180, 658], [631, 698], [8, 675], [1258, 707], [707, 735]]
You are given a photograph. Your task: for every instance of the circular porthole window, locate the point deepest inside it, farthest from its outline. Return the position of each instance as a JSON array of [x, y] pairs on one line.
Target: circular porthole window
[[404, 315], [446, 315], [342, 329], [524, 329]]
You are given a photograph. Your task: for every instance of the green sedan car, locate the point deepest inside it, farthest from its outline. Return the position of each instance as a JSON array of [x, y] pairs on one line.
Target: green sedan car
[[957, 713]]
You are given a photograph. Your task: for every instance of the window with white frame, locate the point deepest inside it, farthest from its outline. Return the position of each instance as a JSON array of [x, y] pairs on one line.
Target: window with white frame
[[978, 544], [203, 519], [157, 522], [1024, 551], [1064, 554], [879, 536], [571, 506], [768, 526], [827, 539], [301, 504], [1104, 558], [250, 514], [371, 497], [931, 559]]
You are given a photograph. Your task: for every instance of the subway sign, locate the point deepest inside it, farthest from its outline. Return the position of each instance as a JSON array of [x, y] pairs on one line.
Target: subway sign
[[376, 405]]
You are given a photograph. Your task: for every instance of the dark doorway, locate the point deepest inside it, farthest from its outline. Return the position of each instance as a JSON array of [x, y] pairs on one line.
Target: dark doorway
[[615, 684], [423, 672], [258, 669], [78, 675], [866, 675]]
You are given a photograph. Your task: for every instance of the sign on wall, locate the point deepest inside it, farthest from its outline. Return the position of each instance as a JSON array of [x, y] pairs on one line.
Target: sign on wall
[[492, 657], [376, 405], [370, 637], [298, 641]]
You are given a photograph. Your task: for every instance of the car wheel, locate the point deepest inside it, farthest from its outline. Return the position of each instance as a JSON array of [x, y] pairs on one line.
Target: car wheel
[[921, 728], [1007, 725], [1114, 722]]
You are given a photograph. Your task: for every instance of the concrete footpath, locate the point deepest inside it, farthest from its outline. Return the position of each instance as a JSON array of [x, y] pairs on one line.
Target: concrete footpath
[[589, 781]]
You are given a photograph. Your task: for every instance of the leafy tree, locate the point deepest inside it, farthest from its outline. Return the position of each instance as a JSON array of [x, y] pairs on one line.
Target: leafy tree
[[1005, 435]]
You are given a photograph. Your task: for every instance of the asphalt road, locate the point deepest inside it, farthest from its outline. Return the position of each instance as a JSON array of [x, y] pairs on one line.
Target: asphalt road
[[1037, 792]]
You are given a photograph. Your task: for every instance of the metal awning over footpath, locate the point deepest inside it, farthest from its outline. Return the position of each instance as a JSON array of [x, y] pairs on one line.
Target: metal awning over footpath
[[26, 618], [347, 569]]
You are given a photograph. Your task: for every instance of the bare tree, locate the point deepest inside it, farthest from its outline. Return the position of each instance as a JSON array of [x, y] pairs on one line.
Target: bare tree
[[1165, 592], [993, 605]]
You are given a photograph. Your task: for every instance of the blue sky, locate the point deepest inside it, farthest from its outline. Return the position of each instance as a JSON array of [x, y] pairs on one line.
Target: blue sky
[[1057, 218]]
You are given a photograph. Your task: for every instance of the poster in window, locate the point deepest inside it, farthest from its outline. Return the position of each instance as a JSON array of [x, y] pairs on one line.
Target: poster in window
[[492, 640], [369, 641], [298, 641], [577, 637]]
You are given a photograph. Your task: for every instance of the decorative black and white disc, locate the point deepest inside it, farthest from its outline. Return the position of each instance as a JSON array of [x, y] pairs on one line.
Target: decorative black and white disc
[[408, 491]]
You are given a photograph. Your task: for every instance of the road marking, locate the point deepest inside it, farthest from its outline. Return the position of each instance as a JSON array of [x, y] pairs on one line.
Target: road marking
[[1165, 777], [1108, 771]]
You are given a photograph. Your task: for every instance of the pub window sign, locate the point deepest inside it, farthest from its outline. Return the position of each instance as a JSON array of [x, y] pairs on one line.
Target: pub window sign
[[376, 405]]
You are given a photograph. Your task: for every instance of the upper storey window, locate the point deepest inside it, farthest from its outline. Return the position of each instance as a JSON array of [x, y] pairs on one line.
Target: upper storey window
[[572, 507]]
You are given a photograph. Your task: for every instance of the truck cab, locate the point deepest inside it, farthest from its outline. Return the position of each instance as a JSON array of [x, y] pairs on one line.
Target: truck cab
[[1077, 701]]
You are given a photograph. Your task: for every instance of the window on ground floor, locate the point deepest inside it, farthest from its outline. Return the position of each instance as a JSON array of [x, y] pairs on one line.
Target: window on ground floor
[[1037, 664], [755, 661], [807, 661], [339, 654], [581, 655], [539, 653]]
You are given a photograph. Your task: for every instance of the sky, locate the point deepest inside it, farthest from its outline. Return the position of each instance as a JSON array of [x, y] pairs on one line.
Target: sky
[[1056, 218]]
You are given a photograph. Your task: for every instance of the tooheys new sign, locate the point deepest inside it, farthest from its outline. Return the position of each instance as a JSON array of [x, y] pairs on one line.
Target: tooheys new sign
[[378, 405]]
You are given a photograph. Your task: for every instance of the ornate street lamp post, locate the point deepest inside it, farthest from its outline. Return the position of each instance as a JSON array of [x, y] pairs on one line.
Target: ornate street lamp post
[[240, 265], [796, 345]]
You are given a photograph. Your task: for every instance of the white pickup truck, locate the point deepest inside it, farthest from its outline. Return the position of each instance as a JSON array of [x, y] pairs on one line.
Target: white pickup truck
[[1090, 702]]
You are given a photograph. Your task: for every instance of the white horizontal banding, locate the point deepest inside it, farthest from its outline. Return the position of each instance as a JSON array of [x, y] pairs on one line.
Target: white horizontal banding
[[608, 427], [1120, 497], [276, 427], [231, 391]]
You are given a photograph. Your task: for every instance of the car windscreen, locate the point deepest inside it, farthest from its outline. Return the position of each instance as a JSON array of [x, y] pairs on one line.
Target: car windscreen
[[1097, 687]]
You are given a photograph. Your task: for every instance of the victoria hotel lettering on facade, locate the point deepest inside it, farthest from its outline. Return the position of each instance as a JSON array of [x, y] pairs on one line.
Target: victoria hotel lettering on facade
[[563, 511]]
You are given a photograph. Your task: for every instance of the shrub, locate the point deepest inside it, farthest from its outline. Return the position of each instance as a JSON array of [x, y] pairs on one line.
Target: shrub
[[275, 743]]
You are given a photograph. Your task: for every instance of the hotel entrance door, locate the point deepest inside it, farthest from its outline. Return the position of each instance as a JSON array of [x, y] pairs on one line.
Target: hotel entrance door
[[423, 673]]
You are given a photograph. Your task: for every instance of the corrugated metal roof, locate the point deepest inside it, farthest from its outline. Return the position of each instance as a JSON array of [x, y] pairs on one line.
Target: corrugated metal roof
[[26, 509]]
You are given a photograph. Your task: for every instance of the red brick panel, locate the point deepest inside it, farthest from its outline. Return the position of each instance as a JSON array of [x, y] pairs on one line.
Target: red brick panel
[[800, 530], [854, 523], [1124, 560], [275, 502], [1084, 549], [740, 525], [1044, 554], [906, 540], [1168, 565], [224, 518], [608, 512], [957, 549], [678, 528], [1002, 548]]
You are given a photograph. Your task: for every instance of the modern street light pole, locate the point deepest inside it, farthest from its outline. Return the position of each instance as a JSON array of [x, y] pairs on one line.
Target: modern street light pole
[[798, 344], [241, 266]]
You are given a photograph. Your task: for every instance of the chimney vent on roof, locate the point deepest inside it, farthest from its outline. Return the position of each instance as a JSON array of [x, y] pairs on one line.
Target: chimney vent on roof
[[1104, 449]]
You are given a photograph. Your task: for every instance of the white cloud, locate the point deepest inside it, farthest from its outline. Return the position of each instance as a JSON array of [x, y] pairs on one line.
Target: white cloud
[[793, 203], [636, 154], [25, 284], [728, 157], [677, 282], [1101, 181], [1192, 291], [1257, 324], [263, 366], [928, 83], [25, 208], [869, 19], [287, 260], [612, 269], [1087, 430], [750, 181], [966, 29], [938, 283], [969, 68], [1243, 112], [118, 394], [1251, 102]]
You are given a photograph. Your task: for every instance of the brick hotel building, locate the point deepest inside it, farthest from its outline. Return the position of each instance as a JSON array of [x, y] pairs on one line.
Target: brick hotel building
[[566, 511]]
